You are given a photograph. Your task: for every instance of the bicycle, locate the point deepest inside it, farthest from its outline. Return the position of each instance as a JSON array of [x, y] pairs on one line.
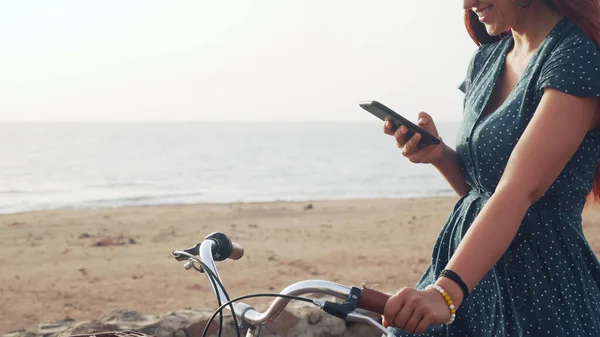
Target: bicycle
[[218, 247]]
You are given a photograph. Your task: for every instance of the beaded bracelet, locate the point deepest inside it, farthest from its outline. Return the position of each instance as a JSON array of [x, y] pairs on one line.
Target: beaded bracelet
[[448, 301], [459, 281]]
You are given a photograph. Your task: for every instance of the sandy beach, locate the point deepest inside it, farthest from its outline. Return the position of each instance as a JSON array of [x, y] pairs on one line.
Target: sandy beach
[[84, 263]]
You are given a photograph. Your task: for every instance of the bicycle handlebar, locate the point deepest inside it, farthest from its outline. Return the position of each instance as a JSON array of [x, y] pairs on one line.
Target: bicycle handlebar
[[372, 300], [237, 251], [218, 247], [222, 248]]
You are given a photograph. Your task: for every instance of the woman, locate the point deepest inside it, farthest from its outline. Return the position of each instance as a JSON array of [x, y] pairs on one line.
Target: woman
[[512, 259]]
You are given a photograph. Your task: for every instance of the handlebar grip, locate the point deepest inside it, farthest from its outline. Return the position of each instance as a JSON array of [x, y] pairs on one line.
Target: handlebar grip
[[372, 300], [237, 251]]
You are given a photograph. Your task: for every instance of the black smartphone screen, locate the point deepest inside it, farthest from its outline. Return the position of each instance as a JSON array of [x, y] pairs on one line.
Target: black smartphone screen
[[384, 113]]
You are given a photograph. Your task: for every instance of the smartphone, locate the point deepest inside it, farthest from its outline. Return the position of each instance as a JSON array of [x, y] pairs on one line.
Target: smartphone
[[386, 114]]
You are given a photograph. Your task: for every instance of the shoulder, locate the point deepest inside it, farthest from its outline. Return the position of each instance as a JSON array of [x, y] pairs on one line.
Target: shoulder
[[571, 62], [570, 42]]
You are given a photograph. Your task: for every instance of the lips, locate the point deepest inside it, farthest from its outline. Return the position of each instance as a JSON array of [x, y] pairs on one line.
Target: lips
[[483, 12]]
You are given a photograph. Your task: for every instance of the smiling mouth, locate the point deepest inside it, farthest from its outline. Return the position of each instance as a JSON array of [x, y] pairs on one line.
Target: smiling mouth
[[481, 13]]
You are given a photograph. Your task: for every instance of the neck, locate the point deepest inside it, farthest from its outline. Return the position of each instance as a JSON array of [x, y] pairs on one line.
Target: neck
[[533, 26]]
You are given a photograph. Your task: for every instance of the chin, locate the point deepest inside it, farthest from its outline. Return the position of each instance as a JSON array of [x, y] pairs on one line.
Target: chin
[[494, 30]]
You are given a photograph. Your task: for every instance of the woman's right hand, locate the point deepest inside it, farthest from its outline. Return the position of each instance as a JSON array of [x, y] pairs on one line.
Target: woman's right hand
[[429, 154]]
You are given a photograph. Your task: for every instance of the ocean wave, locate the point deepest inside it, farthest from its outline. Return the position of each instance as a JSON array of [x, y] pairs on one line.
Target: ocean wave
[[32, 191], [121, 184], [142, 198]]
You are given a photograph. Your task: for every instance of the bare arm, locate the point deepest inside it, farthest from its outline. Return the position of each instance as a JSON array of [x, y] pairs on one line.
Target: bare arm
[[529, 173]]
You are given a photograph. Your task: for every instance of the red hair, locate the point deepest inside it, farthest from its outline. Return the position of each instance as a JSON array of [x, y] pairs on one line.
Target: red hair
[[584, 13]]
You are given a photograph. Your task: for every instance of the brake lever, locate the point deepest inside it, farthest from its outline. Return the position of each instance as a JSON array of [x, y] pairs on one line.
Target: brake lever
[[360, 318], [346, 311], [192, 259], [195, 250], [190, 264]]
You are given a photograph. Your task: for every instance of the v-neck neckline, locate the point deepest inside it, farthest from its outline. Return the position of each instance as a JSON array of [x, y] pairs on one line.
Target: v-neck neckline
[[508, 45]]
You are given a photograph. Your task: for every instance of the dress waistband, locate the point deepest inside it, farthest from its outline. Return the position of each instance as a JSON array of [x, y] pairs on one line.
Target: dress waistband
[[566, 203]]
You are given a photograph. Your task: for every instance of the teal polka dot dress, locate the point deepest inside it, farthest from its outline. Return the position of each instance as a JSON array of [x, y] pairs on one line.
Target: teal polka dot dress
[[548, 281]]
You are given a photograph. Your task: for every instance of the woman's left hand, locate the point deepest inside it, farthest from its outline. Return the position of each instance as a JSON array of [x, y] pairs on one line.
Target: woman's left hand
[[415, 310]]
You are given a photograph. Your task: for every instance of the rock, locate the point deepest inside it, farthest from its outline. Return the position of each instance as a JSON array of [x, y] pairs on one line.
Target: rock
[[193, 322], [52, 328], [181, 320], [106, 241], [88, 328], [309, 206], [284, 323], [298, 320], [20, 333], [313, 317], [132, 320]]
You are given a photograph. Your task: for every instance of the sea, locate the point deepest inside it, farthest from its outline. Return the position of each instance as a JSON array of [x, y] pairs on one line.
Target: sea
[[52, 165]]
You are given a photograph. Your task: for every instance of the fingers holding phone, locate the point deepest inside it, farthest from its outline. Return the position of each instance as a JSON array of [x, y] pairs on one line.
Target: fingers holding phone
[[386, 114], [400, 134], [388, 127], [426, 123], [410, 142], [407, 143], [420, 142]]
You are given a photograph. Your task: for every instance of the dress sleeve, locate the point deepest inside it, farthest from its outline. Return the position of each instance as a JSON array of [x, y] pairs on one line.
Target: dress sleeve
[[464, 85], [573, 67], [474, 66]]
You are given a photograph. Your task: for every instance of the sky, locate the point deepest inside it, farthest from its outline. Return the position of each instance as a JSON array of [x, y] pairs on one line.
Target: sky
[[230, 60]]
